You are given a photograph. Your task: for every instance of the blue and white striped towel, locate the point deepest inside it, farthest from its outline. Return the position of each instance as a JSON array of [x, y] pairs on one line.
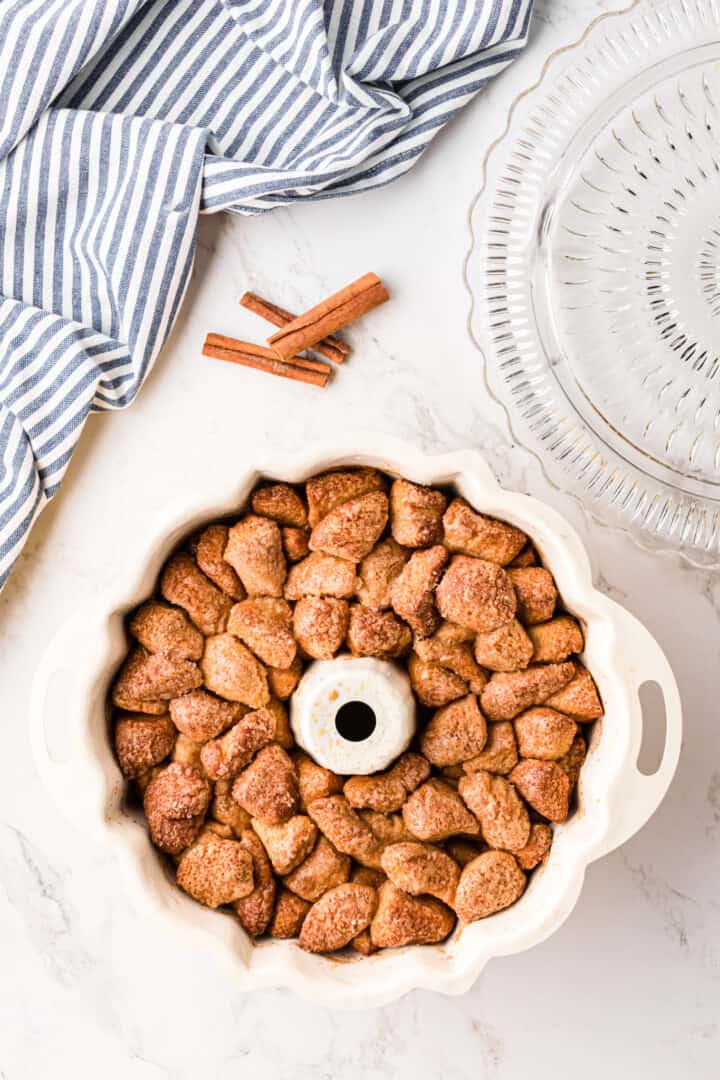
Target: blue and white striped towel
[[120, 120]]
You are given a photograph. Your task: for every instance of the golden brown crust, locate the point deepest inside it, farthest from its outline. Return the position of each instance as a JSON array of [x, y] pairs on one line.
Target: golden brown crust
[[508, 648], [254, 550], [151, 677], [422, 869], [161, 628], [476, 593], [500, 752], [314, 781], [387, 828], [263, 623], [455, 733], [351, 530], [345, 829], [323, 869], [504, 821], [509, 693], [536, 593], [216, 871], [175, 804], [378, 571], [289, 843], [543, 785], [282, 681], [201, 715], [402, 919], [434, 685], [579, 697], [337, 917], [280, 502], [377, 633], [231, 671], [387, 791], [295, 543], [572, 762], [416, 514], [142, 741], [544, 733], [289, 915], [223, 758], [435, 811], [331, 489], [321, 575], [182, 583], [210, 557], [187, 752], [225, 810], [537, 848], [556, 640], [268, 788], [483, 537], [412, 593], [255, 910], [320, 625], [455, 655], [488, 884]]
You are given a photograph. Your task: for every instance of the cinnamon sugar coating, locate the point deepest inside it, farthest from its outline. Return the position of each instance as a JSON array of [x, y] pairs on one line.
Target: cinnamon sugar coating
[[572, 762], [337, 917], [231, 671], [345, 829], [351, 529], [153, 677], [175, 804], [452, 633], [323, 869], [187, 752], [434, 685], [182, 583], [332, 489], [254, 550], [402, 919], [161, 628], [216, 871], [263, 623], [295, 543], [387, 791], [223, 758], [556, 640], [504, 820], [455, 655], [500, 752], [544, 786], [422, 869], [508, 648], [510, 693], [314, 781], [321, 575], [435, 811], [483, 537], [537, 848], [268, 787], [255, 910], [387, 828], [280, 502], [416, 514], [201, 715], [377, 633], [320, 625], [378, 571], [142, 741], [282, 681], [288, 843], [412, 593], [209, 550], [544, 733], [455, 733], [578, 697], [225, 810], [289, 915], [476, 594], [536, 593], [488, 884]]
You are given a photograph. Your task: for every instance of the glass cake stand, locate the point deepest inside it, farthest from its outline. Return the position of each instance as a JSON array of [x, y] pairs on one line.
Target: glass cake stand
[[595, 272]]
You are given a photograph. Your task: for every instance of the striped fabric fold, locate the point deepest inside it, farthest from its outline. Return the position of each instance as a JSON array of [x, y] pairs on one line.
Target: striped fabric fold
[[121, 120]]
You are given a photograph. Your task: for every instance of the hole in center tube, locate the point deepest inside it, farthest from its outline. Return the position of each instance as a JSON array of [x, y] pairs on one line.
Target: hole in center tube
[[355, 721]]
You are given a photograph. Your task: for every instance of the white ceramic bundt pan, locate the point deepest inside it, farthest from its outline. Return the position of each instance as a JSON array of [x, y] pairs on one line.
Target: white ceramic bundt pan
[[615, 798]]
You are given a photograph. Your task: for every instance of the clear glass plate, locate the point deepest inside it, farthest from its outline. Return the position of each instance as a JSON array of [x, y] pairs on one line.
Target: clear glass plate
[[595, 272]]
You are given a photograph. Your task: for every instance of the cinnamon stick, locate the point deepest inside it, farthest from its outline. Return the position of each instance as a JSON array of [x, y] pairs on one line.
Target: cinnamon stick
[[328, 316], [256, 356], [331, 347]]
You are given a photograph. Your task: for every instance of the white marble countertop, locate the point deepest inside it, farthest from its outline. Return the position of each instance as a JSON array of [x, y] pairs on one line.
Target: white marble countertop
[[631, 983]]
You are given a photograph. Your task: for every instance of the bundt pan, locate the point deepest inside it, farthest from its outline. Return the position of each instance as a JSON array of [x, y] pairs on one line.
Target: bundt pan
[[615, 798]]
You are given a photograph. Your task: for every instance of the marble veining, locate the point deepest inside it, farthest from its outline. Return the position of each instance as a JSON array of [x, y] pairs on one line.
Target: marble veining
[[631, 983]]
